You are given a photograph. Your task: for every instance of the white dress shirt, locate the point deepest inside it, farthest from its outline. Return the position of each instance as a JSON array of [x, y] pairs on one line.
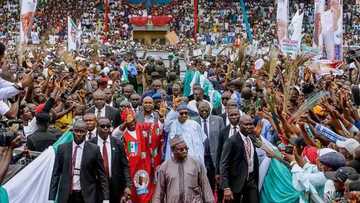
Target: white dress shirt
[[76, 170], [250, 159], [102, 111], [100, 143], [93, 134]]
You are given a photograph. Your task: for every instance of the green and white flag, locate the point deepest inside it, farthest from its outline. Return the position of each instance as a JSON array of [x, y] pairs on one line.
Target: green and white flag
[[32, 184]]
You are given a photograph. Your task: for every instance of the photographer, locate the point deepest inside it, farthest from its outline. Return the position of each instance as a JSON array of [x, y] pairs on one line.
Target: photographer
[[9, 89], [6, 155]]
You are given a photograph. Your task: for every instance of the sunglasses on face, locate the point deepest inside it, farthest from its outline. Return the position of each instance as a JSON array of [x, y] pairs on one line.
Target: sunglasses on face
[[183, 113], [105, 126], [79, 131]]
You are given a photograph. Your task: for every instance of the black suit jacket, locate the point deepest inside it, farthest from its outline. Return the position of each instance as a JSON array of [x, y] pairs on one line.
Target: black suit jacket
[[224, 135], [120, 176], [223, 116], [111, 113], [92, 175], [234, 167], [41, 140]]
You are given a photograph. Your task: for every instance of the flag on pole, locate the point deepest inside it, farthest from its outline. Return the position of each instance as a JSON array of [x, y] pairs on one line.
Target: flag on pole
[[72, 35], [28, 8], [32, 184]]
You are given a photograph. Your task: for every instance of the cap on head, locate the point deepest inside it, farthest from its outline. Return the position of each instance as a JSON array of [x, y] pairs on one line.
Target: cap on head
[[350, 145], [333, 160], [182, 106], [178, 139], [79, 124]]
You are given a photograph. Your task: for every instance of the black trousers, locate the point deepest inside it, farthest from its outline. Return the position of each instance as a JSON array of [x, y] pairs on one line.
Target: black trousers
[[249, 193], [76, 197]]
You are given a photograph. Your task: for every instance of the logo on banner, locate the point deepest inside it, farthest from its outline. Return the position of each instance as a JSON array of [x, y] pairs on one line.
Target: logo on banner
[[141, 182], [133, 148]]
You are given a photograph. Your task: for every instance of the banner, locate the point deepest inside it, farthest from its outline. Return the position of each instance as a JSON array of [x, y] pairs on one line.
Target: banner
[[319, 10], [72, 34], [28, 8], [246, 21], [282, 20], [172, 37], [332, 30], [295, 28], [290, 47]]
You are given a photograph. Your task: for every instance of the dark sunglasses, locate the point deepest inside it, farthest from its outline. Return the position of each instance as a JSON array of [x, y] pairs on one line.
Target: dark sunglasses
[[225, 98], [183, 113], [79, 131], [105, 126]]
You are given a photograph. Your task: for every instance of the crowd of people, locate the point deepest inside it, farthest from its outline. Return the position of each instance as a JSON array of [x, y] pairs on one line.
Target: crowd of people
[[238, 127]]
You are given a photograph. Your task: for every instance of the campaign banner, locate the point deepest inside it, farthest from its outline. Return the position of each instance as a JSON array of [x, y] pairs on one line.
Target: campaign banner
[[319, 10], [73, 36], [295, 28], [28, 8], [332, 30], [35, 38], [290, 47], [282, 20]]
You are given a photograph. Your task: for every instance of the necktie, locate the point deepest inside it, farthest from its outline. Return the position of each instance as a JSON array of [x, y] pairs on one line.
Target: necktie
[[89, 136], [248, 148], [234, 130], [106, 159], [98, 114], [73, 162], [205, 127]]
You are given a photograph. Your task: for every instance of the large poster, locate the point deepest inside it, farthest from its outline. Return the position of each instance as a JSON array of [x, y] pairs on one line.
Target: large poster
[[28, 8], [328, 30], [282, 20]]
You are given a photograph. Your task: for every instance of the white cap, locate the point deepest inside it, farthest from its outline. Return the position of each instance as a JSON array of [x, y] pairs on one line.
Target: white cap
[[350, 145], [324, 151]]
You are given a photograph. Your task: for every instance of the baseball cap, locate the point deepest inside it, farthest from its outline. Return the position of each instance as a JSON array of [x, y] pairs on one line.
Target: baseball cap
[[333, 160], [349, 144], [342, 174]]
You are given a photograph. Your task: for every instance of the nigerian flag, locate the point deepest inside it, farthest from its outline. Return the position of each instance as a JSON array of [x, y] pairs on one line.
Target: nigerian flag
[[32, 184]]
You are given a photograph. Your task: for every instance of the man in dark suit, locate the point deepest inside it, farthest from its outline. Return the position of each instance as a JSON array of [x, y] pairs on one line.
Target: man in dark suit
[[44, 136], [231, 103], [115, 161], [228, 131], [78, 174], [239, 165], [212, 126], [102, 110]]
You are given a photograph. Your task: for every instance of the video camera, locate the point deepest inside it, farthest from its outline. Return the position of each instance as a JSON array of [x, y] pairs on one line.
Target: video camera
[[6, 137]]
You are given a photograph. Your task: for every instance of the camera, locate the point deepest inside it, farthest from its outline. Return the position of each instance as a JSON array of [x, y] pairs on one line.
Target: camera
[[6, 137]]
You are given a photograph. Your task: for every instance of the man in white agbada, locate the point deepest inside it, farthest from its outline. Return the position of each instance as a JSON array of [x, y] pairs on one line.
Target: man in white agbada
[[191, 132]]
